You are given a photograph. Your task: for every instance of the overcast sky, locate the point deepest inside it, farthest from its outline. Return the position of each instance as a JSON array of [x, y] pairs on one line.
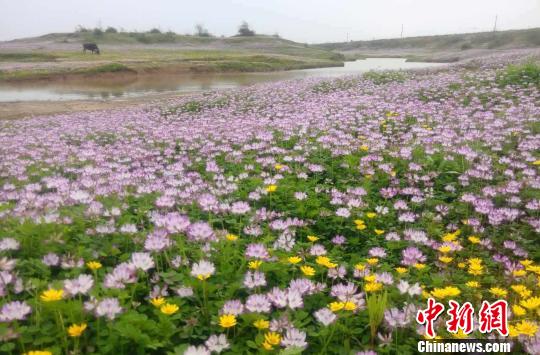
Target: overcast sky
[[300, 20]]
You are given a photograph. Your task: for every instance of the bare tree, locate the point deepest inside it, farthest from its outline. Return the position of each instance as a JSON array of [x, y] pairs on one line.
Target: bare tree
[[201, 31]]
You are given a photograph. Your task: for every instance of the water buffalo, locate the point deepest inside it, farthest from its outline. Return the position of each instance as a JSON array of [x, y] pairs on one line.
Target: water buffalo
[[92, 47]]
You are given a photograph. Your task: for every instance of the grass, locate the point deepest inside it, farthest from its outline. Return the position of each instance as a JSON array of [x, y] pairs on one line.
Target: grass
[[522, 75], [144, 60], [259, 63], [106, 68], [126, 51], [41, 74], [462, 41], [27, 57]]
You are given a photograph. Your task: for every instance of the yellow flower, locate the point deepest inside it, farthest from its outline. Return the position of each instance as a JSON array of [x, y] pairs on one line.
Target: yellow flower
[[231, 237], [261, 324], [460, 334], [227, 321], [364, 148], [526, 262], [474, 240], [52, 295], [294, 259], [519, 273], [536, 162], [157, 301], [373, 286], [518, 310], [169, 309], [372, 261], [370, 278], [349, 306], [203, 277], [312, 238], [401, 270], [498, 292], [278, 166], [271, 188], [531, 303], [39, 352], [449, 291], [267, 346], [255, 264], [533, 268], [379, 231], [446, 259], [475, 269], [360, 227], [272, 338], [307, 270], [526, 328], [461, 265], [473, 284], [94, 265], [371, 215], [325, 261], [449, 237], [420, 266], [76, 330], [360, 267], [522, 290], [445, 249], [512, 332], [336, 306]]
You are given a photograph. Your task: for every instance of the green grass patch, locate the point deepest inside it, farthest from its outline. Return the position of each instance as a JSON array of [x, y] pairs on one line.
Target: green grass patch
[[27, 57], [384, 77], [523, 75], [106, 68]]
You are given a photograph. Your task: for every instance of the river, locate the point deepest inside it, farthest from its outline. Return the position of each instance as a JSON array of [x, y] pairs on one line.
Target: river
[[104, 89]]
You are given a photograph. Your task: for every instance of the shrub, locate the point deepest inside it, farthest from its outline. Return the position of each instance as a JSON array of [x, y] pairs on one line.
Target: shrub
[[384, 77], [81, 29], [244, 30], [522, 75]]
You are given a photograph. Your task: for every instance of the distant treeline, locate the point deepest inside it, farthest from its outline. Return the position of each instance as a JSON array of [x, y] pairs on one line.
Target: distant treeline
[[157, 35], [463, 41]]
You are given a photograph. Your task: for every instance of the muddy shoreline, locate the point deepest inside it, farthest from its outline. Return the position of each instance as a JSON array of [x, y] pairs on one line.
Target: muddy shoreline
[[26, 109]]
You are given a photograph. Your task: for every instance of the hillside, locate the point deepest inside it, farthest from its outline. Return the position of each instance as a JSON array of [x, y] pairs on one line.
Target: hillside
[[60, 54], [450, 47]]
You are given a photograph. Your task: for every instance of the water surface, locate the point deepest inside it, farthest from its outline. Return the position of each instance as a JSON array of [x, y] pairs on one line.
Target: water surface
[[103, 89]]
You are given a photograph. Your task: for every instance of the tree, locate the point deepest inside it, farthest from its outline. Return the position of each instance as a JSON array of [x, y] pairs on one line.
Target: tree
[[201, 31], [244, 30]]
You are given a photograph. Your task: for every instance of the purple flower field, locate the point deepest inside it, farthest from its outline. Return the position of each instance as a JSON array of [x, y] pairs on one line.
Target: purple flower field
[[312, 216]]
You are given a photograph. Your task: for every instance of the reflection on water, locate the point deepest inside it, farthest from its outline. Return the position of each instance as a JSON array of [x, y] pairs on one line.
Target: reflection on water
[[103, 89]]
